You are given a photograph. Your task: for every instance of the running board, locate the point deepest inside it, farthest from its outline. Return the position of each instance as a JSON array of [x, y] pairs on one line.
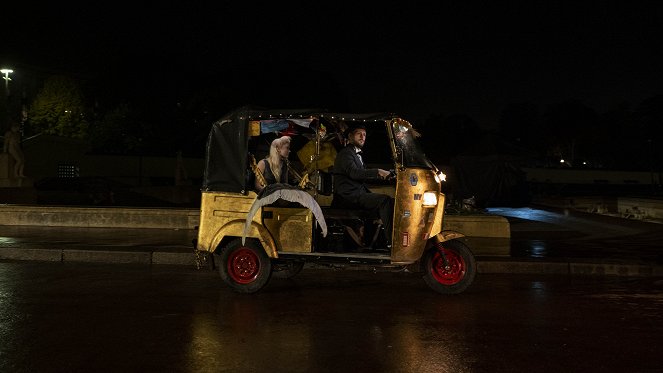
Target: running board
[[372, 256]]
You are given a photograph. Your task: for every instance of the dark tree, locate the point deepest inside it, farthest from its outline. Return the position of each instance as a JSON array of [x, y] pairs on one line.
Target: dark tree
[[59, 109]]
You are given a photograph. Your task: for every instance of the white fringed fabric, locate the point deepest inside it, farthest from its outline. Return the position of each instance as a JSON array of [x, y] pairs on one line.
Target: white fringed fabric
[[273, 192]]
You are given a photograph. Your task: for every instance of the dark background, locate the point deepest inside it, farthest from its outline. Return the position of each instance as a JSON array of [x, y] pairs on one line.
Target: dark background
[[417, 59], [541, 80]]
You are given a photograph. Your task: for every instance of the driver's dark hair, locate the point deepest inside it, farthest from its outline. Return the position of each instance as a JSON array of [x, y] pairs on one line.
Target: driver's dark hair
[[352, 127]]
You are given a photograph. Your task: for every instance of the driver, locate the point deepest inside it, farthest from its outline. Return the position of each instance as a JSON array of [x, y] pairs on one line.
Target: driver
[[350, 174]]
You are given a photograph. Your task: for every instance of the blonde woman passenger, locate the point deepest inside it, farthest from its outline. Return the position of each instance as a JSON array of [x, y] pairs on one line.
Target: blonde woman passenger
[[274, 167]]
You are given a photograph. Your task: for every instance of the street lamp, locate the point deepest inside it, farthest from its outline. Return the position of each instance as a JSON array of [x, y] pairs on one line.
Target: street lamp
[[7, 78]]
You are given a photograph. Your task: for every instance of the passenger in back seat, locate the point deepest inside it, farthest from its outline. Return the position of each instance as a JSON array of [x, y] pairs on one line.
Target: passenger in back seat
[[274, 167]]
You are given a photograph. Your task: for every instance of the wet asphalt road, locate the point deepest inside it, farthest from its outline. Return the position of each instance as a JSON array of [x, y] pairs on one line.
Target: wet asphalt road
[[82, 317]]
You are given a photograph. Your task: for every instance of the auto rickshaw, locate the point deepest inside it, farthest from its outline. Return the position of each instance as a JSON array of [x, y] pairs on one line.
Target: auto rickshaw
[[251, 238]]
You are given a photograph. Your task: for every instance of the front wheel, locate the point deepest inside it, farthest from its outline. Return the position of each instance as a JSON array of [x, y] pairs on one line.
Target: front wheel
[[245, 268], [449, 267]]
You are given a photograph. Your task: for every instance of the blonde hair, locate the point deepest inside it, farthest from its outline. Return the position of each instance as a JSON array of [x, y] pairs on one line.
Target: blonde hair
[[274, 158]]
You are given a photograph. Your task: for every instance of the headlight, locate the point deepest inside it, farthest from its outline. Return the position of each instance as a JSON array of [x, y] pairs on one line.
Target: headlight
[[440, 177], [430, 199]]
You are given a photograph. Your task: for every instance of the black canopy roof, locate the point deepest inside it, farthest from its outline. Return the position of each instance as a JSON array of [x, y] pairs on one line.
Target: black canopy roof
[[226, 159]]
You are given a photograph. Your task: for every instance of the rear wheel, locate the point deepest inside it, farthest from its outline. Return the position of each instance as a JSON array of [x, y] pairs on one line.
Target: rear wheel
[[449, 267], [245, 268]]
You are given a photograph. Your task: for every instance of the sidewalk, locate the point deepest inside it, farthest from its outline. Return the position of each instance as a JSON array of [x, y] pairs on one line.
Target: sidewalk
[[543, 240]]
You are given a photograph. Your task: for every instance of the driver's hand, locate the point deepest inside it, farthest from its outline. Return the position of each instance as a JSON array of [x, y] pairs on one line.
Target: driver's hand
[[383, 174]]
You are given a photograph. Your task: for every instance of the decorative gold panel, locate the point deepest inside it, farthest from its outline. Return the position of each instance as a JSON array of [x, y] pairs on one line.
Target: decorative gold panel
[[413, 221], [216, 210], [291, 227], [254, 128]]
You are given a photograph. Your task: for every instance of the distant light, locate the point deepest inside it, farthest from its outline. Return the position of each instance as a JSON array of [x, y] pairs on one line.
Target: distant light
[[6, 78], [585, 163], [6, 72], [561, 160]]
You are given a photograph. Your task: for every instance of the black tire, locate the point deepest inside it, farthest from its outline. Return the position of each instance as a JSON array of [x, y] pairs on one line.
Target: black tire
[[245, 268], [454, 276], [287, 269]]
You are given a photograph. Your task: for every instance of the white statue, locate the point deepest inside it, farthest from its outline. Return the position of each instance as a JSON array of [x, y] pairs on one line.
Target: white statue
[[13, 147]]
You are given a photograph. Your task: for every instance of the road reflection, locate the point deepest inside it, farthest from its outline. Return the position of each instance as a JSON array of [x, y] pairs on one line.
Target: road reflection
[[332, 328], [121, 318]]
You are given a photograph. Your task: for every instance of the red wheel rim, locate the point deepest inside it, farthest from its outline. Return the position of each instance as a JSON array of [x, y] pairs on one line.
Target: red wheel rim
[[243, 265], [454, 270]]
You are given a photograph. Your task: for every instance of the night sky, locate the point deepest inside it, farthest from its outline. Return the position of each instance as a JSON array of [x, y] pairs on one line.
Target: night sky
[[416, 60]]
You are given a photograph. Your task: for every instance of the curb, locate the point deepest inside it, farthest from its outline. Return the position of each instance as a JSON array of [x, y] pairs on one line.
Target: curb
[[569, 268], [98, 256]]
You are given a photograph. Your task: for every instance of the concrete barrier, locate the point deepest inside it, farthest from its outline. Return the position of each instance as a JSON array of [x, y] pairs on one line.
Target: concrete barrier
[[640, 208], [479, 225], [99, 217], [486, 234]]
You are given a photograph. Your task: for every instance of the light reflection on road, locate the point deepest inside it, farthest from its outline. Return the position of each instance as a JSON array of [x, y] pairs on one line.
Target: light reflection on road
[[566, 220]]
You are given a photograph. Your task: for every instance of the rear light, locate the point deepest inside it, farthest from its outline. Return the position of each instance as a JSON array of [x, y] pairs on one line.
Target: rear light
[[405, 241]]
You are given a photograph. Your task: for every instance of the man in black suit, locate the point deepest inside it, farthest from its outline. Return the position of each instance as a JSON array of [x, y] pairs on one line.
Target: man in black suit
[[350, 174]]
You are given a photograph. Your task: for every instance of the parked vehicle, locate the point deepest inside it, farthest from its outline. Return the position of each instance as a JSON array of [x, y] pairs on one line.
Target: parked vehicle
[[253, 238]]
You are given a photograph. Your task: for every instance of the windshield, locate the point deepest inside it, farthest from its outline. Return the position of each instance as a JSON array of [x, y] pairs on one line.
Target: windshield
[[405, 137]]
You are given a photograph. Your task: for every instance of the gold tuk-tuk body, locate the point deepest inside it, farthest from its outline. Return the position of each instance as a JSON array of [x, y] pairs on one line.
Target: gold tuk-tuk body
[[251, 241]]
